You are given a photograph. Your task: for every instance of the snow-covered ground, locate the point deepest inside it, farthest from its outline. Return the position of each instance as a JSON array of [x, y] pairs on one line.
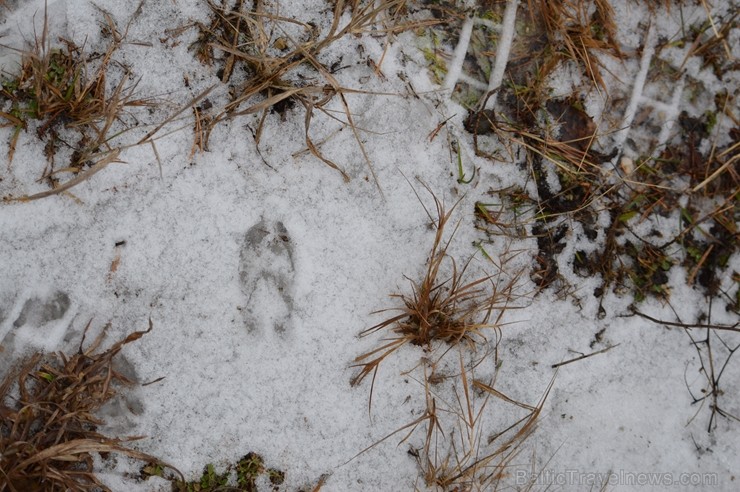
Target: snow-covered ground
[[260, 268]]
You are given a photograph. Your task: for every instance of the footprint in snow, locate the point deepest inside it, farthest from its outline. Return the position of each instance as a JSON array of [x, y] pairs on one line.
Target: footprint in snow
[[266, 273], [41, 321], [38, 321], [39, 311]]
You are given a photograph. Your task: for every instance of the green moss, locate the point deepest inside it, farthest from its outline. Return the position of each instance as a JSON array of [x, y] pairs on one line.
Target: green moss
[[435, 64], [711, 117], [244, 472], [248, 469], [209, 481], [276, 477]]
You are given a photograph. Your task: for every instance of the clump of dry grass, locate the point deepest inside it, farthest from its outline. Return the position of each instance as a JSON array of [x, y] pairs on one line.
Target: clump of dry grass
[[576, 35], [452, 309], [69, 106], [48, 427], [281, 58], [444, 312]]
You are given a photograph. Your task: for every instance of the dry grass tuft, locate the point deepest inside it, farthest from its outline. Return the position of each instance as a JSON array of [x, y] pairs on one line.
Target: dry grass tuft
[[48, 428], [70, 107], [576, 35], [446, 311], [450, 309], [281, 57]]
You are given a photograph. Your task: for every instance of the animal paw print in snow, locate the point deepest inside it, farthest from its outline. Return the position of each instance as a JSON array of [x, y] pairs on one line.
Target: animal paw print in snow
[[38, 321], [266, 273]]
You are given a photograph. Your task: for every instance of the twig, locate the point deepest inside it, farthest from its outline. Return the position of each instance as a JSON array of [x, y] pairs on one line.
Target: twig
[[99, 166], [585, 356], [685, 325]]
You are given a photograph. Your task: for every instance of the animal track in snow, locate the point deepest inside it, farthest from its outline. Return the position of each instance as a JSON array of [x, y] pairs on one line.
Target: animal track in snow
[[39, 321], [38, 311], [266, 273], [43, 321]]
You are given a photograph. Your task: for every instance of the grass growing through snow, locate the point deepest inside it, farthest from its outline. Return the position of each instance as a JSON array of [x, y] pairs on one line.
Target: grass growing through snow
[[69, 106], [447, 312], [63, 94], [467, 444], [445, 308], [577, 29], [246, 472], [48, 427], [259, 40], [282, 60], [441, 308]]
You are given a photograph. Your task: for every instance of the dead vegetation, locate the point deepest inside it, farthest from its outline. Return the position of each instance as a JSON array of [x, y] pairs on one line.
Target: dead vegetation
[[443, 307], [82, 104], [48, 426], [578, 29], [63, 94], [560, 142], [467, 445], [691, 180], [714, 352], [281, 59], [273, 64], [445, 313], [558, 139]]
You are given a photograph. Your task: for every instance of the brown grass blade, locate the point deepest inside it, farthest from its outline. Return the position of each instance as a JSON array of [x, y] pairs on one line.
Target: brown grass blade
[[48, 428], [97, 167]]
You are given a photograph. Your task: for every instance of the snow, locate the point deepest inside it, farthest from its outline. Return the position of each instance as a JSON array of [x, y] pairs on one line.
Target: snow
[[266, 368]]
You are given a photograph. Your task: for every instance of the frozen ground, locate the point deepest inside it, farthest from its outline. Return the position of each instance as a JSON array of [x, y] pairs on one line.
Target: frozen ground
[[259, 270]]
